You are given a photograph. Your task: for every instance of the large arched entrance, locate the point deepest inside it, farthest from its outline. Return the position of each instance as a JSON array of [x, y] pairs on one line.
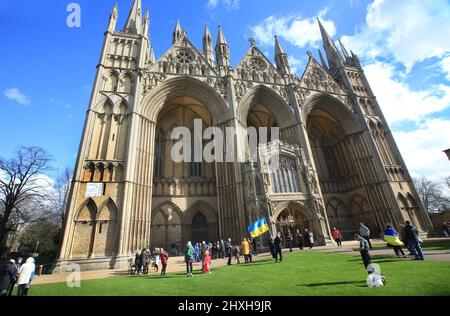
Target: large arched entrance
[[328, 124]]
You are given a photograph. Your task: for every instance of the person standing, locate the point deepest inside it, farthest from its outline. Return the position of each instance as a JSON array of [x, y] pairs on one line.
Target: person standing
[[15, 268], [144, 259], [364, 232], [207, 262], [237, 254], [412, 237], [255, 246], [299, 239], [196, 253], [26, 274], [289, 239], [272, 248], [228, 250], [156, 258], [222, 248], [189, 258], [307, 238], [245, 246], [364, 250], [164, 261], [7, 277], [278, 243], [394, 241], [404, 239], [337, 236], [178, 247], [137, 263]]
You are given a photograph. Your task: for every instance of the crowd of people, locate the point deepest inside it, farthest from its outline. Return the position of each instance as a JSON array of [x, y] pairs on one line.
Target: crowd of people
[[18, 273], [146, 260]]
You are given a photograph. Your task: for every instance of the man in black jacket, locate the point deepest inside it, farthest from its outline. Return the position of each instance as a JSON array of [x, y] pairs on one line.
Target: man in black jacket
[[228, 250], [289, 239], [8, 278], [278, 243], [412, 237]]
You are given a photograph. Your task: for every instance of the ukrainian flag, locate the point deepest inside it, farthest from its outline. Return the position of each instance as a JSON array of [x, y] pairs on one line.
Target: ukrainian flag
[[258, 228], [391, 236]]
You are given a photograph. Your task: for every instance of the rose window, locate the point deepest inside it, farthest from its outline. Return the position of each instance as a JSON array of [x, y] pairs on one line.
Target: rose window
[[257, 64], [185, 57]]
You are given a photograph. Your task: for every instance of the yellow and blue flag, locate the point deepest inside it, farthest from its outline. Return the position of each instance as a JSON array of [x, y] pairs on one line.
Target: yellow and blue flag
[[258, 228], [391, 236]]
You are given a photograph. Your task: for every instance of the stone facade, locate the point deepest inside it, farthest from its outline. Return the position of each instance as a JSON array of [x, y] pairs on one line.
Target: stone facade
[[339, 163]]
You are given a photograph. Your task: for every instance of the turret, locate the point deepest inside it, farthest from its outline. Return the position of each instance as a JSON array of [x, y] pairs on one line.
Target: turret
[[281, 59], [177, 33], [222, 50], [146, 23], [113, 18], [208, 46], [134, 21]]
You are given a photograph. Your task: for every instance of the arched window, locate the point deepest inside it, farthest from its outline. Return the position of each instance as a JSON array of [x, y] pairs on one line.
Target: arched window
[[159, 154], [285, 178], [195, 168]]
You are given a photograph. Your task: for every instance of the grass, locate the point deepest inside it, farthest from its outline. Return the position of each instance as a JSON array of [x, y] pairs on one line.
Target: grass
[[300, 274], [428, 245]]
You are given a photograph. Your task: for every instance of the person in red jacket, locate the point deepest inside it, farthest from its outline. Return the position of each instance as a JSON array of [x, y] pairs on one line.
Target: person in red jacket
[[164, 261], [337, 236], [207, 262]]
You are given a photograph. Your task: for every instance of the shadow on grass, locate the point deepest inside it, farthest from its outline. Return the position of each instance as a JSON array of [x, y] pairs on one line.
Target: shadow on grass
[[360, 283]]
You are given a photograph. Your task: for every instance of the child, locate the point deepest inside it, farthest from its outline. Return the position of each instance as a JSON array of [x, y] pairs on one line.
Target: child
[[237, 254], [207, 262], [156, 258], [164, 261]]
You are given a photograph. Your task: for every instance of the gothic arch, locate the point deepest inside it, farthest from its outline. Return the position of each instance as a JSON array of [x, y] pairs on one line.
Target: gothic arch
[[106, 229], [83, 237], [157, 98], [272, 101], [335, 108]]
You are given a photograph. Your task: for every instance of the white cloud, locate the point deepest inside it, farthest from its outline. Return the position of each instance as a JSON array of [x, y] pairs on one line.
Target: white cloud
[[445, 64], [408, 30], [16, 95], [296, 65], [422, 148], [401, 103], [295, 29], [228, 4]]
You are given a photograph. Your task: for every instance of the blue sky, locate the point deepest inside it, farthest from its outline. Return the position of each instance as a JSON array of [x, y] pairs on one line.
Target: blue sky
[[48, 68]]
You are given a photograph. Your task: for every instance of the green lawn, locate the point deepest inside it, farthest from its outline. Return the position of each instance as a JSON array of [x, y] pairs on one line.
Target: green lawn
[[301, 273], [427, 245]]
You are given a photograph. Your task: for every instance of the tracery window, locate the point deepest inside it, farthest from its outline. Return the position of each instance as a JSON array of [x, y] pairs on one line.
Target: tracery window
[[184, 57], [285, 178], [256, 64]]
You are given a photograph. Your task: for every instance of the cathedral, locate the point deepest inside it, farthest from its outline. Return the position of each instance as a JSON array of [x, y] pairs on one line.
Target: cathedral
[[338, 166]]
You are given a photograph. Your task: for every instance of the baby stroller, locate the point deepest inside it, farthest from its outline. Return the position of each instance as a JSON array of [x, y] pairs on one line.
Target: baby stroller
[[132, 267]]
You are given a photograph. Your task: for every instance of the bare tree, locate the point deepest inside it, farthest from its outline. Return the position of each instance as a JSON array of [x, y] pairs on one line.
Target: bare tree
[[59, 199], [20, 183], [431, 194]]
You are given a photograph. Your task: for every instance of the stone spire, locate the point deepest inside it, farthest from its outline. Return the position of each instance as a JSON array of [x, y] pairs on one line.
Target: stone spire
[[322, 60], [113, 18], [333, 55], [208, 46], [152, 55], [344, 50], [146, 23], [281, 59], [134, 21], [177, 33], [222, 50]]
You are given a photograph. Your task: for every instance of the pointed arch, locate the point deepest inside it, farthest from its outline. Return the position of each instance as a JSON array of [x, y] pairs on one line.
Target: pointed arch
[[271, 100], [154, 101], [334, 107]]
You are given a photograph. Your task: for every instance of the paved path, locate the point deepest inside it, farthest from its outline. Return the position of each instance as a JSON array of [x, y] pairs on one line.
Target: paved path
[[176, 264]]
